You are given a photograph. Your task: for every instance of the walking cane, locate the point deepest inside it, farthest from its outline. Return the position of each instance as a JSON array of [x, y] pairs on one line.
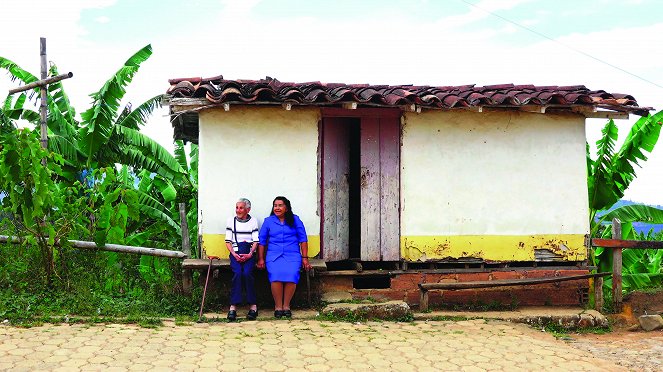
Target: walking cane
[[202, 304]]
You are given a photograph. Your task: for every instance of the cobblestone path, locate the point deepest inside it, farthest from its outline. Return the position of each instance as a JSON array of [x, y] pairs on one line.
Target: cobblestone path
[[297, 345]]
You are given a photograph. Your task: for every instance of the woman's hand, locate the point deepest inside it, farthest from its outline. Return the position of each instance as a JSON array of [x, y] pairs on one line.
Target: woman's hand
[[238, 257], [261, 263], [305, 264], [246, 256]]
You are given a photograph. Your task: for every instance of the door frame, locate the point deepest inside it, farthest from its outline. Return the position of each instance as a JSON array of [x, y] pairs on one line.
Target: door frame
[[361, 114]]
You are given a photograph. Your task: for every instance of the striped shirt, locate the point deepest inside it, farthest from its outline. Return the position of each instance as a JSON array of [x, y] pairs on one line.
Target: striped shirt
[[247, 231]]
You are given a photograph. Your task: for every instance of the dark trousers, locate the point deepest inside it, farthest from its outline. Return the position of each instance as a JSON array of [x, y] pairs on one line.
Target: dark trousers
[[243, 281]]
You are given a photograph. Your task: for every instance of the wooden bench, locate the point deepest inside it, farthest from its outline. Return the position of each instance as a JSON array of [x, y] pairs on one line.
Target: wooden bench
[[191, 264], [454, 286]]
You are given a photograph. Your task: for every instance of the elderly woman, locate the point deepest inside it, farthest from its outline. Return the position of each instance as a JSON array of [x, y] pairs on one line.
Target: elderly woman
[[284, 237], [242, 242]]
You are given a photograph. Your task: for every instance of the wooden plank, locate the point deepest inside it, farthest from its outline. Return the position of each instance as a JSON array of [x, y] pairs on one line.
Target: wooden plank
[[329, 177], [343, 193], [41, 83], [186, 244], [128, 249], [224, 263], [390, 189], [370, 189], [631, 244], [361, 112], [598, 294], [506, 282], [423, 301], [335, 190], [362, 273], [617, 267]]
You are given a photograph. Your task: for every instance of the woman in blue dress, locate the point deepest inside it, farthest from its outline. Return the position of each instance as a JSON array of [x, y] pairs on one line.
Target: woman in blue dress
[[283, 237]]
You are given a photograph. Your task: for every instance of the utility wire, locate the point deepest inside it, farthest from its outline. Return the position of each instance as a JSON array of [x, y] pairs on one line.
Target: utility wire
[[562, 44]]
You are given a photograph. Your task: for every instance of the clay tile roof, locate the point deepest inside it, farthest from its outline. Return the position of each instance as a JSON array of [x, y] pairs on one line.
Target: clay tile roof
[[272, 91]]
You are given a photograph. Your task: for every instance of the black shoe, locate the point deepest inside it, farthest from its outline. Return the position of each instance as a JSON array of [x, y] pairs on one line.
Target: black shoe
[[252, 315], [287, 313], [232, 315], [278, 314]]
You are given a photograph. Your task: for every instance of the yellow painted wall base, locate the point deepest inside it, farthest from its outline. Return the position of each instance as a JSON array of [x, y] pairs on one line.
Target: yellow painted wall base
[[492, 247], [215, 245]]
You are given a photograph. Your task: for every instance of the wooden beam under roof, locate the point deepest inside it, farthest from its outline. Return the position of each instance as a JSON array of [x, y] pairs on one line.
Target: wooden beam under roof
[[593, 113]]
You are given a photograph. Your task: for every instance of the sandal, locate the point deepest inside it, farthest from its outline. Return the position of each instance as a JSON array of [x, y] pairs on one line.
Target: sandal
[[278, 314], [232, 315], [252, 315], [287, 313]]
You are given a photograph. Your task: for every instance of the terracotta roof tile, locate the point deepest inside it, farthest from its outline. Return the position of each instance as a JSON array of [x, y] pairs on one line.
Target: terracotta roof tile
[[265, 91]]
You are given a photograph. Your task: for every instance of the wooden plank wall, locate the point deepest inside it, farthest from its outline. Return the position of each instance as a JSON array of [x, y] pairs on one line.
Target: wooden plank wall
[[370, 189], [335, 190]]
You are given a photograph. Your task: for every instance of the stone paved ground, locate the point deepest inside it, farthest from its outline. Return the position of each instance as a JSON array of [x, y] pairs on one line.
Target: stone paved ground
[[304, 345]]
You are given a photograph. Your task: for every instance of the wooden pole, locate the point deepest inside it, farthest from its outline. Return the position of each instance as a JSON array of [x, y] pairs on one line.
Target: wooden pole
[[43, 107], [187, 275], [617, 268], [112, 247], [184, 227], [41, 83], [128, 249], [598, 294]]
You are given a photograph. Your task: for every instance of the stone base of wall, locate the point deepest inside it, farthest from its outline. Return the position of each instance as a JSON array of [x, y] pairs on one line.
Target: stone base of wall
[[405, 287]]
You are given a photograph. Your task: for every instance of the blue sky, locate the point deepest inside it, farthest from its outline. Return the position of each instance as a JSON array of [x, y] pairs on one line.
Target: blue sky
[[444, 42]]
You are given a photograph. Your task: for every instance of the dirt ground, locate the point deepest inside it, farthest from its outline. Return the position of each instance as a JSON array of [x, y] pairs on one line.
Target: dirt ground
[[637, 351]]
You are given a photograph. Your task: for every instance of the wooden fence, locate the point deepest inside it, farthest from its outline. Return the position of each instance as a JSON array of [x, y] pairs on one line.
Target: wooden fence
[[617, 244]]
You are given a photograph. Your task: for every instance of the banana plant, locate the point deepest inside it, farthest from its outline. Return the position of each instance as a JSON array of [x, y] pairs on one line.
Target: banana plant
[[608, 177], [610, 174], [106, 135]]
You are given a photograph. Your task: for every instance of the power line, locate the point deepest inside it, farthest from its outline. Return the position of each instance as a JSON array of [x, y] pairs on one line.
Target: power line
[[562, 44]]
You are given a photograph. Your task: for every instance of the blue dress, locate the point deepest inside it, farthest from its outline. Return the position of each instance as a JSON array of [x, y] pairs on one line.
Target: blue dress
[[284, 258]]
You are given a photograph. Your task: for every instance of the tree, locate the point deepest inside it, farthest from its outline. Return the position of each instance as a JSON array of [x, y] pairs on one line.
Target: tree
[[608, 177], [106, 135], [611, 173], [92, 169]]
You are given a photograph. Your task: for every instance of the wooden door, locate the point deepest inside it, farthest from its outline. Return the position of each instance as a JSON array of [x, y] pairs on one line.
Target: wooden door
[[335, 190], [380, 189]]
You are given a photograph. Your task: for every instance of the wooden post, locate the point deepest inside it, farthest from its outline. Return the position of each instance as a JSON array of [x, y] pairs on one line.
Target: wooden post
[[43, 107], [186, 243], [187, 275], [423, 299], [43, 88], [598, 293], [617, 268]]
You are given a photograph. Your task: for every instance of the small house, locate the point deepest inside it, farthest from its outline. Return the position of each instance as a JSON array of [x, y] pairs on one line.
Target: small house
[[401, 177]]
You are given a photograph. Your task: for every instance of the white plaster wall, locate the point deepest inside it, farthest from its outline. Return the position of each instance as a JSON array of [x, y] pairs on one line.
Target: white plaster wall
[[257, 153], [509, 173]]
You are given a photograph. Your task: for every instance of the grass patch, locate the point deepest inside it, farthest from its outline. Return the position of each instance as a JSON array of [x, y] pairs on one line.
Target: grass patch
[[29, 309], [360, 316], [450, 318], [564, 333]]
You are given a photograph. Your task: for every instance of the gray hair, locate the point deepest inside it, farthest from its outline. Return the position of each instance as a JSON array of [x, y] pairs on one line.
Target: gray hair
[[247, 202]]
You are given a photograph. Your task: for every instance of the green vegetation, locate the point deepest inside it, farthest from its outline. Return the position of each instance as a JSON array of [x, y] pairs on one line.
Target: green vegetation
[[565, 332], [361, 316], [609, 175], [100, 179]]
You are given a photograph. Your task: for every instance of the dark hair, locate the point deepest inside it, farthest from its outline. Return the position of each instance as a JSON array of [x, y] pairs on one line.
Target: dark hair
[[289, 216]]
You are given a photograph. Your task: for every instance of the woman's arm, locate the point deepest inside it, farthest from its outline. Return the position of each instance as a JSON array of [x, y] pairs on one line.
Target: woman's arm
[[305, 264], [261, 257], [263, 237]]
